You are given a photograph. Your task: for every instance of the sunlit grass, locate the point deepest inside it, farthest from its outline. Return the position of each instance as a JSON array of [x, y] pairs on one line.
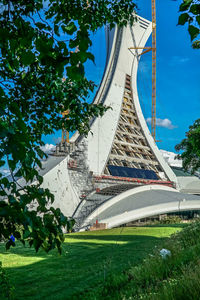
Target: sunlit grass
[[87, 259], [156, 278]]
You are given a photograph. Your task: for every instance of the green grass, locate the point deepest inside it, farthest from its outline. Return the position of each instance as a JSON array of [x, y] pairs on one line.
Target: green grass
[[176, 277], [88, 259]]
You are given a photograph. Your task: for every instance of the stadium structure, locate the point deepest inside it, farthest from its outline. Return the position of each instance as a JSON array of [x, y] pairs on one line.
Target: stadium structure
[[116, 174]]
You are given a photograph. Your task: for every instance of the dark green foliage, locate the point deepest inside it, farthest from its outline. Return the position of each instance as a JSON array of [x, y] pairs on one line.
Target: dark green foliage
[[37, 49], [170, 220], [191, 148], [183, 19], [191, 15], [6, 290], [191, 144], [193, 31]]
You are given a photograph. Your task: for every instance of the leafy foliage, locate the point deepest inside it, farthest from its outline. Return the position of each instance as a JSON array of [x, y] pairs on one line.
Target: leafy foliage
[[191, 15], [6, 290], [40, 43], [191, 148], [191, 144]]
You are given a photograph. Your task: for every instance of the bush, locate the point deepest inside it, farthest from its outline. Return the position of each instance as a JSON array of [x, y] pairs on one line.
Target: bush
[[6, 290], [170, 220]]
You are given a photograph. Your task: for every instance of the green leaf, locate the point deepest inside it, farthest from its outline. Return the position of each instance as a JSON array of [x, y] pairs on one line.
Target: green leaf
[[8, 244], [14, 108], [75, 72], [56, 29], [18, 173], [12, 200], [2, 93], [17, 234], [40, 179], [40, 153], [40, 25], [27, 58], [195, 9], [12, 164], [30, 243], [23, 75], [70, 28], [43, 46], [193, 31], [91, 56], [185, 5], [9, 67], [37, 244], [2, 163], [183, 19], [26, 234], [5, 182], [3, 193], [196, 44], [198, 19], [22, 241]]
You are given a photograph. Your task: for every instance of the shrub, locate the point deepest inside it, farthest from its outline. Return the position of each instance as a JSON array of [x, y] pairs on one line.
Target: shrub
[[6, 290]]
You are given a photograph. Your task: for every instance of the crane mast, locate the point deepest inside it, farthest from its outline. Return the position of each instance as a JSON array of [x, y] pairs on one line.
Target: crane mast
[[153, 107], [65, 133]]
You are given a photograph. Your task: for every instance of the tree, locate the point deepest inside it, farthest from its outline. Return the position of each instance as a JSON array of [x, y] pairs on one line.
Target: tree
[[191, 148], [191, 15], [38, 40], [191, 144]]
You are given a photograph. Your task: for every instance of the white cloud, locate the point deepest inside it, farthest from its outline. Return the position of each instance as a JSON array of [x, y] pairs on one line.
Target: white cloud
[[184, 59], [171, 159], [47, 148], [166, 123], [5, 172], [144, 67], [178, 60]]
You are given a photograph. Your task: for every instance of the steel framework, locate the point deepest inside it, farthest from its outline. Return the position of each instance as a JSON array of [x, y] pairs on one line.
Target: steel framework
[[153, 112]]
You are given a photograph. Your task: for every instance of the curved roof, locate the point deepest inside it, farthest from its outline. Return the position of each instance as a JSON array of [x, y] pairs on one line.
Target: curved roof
[[143, 202]]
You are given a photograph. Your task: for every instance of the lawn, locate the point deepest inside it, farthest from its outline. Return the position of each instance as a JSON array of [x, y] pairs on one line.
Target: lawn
[[87, 259]]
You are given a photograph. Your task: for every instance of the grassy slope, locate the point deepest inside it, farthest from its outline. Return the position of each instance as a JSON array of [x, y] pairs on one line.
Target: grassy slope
[[88, 259], [176, 277]]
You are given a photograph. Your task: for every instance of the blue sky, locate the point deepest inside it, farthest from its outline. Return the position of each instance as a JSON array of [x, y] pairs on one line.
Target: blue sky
[[178, 73]]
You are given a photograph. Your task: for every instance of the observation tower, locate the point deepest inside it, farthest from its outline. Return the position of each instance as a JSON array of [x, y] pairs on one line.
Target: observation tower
[[116, 174]]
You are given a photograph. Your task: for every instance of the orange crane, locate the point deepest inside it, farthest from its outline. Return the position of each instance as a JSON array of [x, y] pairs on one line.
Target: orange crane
[[153, 108], [65, 133]]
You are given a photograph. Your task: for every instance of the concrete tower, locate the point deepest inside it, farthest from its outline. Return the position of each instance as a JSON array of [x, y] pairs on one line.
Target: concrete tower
[[121, 137], [118, 166]]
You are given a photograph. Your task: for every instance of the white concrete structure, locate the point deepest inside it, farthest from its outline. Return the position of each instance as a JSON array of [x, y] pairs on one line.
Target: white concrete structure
[[122, 63], [82, 181], [142, 202]]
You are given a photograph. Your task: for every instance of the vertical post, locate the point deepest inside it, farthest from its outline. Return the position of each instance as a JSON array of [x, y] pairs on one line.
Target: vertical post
[[153, 112], [65, 133]]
